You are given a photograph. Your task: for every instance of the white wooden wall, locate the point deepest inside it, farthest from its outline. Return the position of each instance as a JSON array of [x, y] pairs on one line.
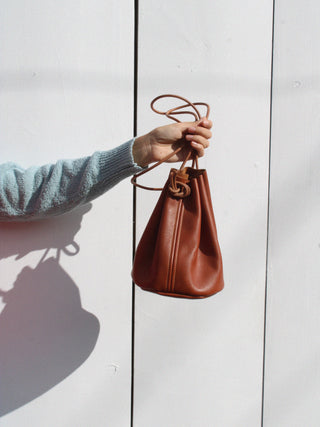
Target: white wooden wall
[[292, 375], [245, 357], [67, 91]]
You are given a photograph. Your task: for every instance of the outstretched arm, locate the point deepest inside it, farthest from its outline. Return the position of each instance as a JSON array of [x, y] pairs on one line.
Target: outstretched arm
[[38, 192], [53, 189]]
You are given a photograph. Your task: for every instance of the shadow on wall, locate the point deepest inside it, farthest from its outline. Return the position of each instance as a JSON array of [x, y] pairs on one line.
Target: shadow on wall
[[45, 334]]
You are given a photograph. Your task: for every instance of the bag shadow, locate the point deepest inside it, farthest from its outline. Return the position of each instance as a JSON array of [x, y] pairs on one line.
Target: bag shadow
[[45, 334]]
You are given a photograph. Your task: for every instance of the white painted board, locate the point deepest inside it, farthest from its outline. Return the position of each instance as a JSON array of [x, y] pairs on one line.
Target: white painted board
[[66, 91], [292, 376], [199, 363]]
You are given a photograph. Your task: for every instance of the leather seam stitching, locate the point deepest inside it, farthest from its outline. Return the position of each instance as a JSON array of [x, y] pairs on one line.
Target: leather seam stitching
[[177, 244], [169, 275]]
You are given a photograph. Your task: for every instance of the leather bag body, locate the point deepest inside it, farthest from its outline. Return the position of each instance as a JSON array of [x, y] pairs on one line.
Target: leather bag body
[[178, 254]]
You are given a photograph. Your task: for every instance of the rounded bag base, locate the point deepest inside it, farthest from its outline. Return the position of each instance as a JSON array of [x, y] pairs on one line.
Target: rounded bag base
[[176, 295]]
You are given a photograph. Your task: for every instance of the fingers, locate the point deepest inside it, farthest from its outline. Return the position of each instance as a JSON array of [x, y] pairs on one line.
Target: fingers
[[199, 134], [198, 147], [198, 139], [198, 142], [205, 133]]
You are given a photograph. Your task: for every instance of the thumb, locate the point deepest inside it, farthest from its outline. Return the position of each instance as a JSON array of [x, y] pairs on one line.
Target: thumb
[[204, 122]]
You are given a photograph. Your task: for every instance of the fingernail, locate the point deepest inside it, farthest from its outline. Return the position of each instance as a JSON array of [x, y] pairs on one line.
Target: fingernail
[[192, 129]]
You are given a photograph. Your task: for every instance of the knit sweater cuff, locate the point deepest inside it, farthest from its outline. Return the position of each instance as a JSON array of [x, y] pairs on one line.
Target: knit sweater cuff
[[122, 161]]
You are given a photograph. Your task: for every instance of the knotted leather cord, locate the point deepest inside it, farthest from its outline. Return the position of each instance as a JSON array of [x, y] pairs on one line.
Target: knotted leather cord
[[170, 114]]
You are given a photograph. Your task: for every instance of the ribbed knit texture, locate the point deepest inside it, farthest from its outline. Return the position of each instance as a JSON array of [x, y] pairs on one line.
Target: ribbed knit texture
[[39, 192]]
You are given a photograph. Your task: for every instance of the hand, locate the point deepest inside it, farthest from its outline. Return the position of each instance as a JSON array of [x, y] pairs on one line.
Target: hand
[[163, 140]]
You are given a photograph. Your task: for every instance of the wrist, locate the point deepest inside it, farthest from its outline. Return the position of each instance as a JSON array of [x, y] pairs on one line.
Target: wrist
[[141, 150]]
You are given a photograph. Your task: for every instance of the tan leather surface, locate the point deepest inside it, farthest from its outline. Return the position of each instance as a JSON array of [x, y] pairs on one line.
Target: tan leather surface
[[179, 253]]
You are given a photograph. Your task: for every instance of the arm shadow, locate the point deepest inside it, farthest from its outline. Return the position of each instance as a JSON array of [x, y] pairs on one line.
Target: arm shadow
[[45, 334]]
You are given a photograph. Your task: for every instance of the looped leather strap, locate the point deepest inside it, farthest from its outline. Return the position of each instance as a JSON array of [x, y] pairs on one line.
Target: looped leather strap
[[176, 187]]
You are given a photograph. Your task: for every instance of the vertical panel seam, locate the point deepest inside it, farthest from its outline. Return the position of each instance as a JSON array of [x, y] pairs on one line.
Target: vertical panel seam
[[268, 215], [134, 196]]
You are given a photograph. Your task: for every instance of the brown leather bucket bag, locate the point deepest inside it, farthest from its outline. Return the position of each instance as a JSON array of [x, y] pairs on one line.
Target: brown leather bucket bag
[[179, 254]]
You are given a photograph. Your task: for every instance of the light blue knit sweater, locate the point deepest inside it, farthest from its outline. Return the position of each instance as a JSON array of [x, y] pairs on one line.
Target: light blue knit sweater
[[38, 192]]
